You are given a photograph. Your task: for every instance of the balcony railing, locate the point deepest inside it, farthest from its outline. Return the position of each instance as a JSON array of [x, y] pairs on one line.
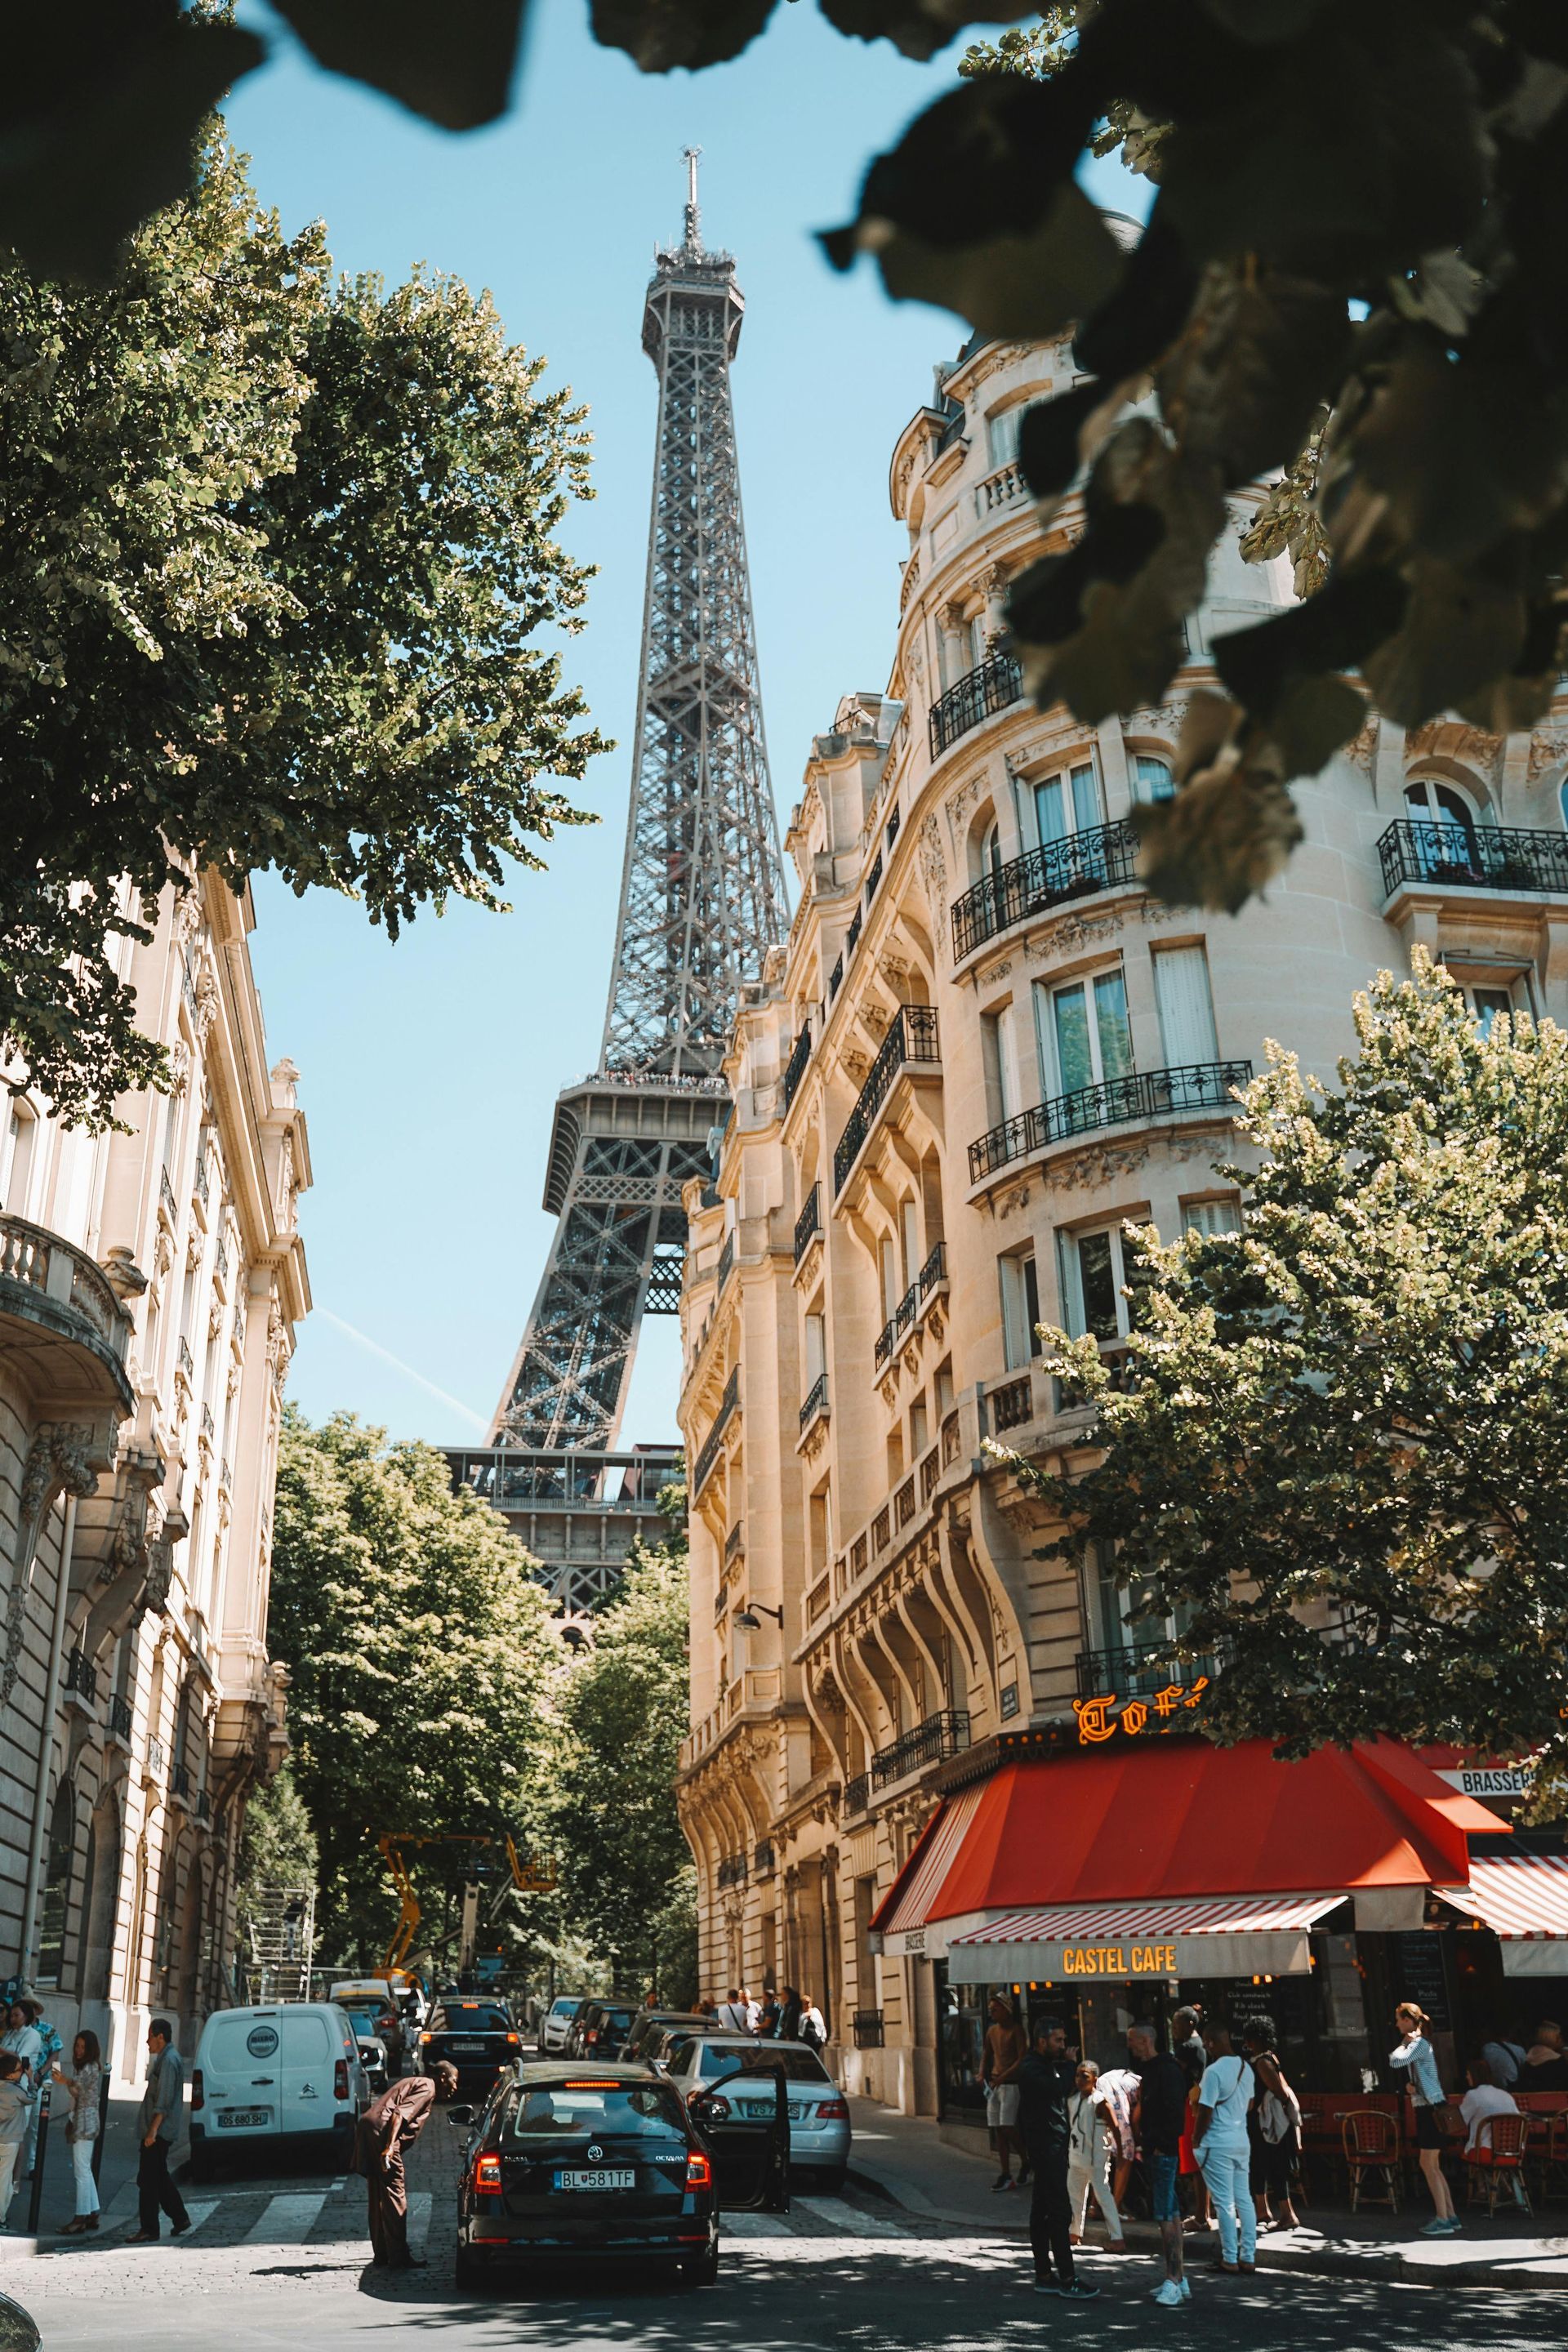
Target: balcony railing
[[81, 1676], [1139, 1668], [763, 1859], [1141, 1093], [852, 936], [1482, 857], [808, 1224], [857, 1794], [873, 878], [931, 1277], [939, 1735], [709, 1452], [180, 1781], [796, 1068], [868, 2029], [911, 1037], [992, 686], [836, 977], [894, 821], [1042, 878], [204, 1806], [726, 1262], [120, 1716], [731, 1871], [735, 1540], [815, 1402], [1011, 1404]]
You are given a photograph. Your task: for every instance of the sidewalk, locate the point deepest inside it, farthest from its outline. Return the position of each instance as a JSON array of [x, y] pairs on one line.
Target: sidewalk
[[120, 2151], [902, 2157]]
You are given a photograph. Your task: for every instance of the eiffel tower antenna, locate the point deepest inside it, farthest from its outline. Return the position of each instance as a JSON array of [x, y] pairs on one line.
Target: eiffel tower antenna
[[702, 896]]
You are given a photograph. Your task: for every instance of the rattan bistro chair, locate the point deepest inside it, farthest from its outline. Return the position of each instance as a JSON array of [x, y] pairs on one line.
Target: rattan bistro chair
[[1489, 2171], [1371, 2142]]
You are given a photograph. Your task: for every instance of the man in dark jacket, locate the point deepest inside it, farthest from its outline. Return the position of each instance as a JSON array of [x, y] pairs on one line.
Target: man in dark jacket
[[389, 2126], [1045, 2082], [1162, 2112]]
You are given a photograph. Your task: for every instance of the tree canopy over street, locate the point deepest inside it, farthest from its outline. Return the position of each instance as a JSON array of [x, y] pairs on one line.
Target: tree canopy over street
[[281, 590], [1355, 271], [1352, 1418]]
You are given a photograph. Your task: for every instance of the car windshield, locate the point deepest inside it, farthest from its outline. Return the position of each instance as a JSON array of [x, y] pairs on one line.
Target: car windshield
[[565, 2008], [473, 2019], [761, 2058], [570, 2111]]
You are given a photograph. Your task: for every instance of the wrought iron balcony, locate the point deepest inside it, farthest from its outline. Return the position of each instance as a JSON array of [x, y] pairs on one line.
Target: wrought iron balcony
[[808, 1224], [204, 1806], [894, 821], [81, 1676], [931, 1277], [857, 1794], [991, 686], [709, 1452], [120, 1716], [836, 977], [911, 1037], [762, 1860], [180, 1781], [1138, 1668], [1479, 858], [796, 1068], [726, 1263], [735, 1540], [815, 1402], [852, 936], [1141, 1095], [731, 1871], [873, 878], [939, 1735], [867, 2028], [1042, 878]]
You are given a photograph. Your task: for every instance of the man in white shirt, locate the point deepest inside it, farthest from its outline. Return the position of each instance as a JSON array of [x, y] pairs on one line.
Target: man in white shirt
[[752, 2010], [732, 2012], [1484, 2100]]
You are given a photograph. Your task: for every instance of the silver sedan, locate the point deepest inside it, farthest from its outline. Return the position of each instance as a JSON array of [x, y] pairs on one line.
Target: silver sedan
[[819, 2134]]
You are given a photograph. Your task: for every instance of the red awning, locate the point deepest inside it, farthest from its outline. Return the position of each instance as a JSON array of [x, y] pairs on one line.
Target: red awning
[[1523, 1899], [1181, 1818]]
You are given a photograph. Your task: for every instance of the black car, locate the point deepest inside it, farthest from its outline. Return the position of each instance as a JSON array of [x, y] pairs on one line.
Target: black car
[[567, 2162], [477, 2037], [599, 2029], [648, 2024]]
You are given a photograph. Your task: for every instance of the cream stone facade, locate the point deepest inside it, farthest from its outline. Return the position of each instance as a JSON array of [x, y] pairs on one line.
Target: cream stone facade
[[983, 1048], [150, 1286]]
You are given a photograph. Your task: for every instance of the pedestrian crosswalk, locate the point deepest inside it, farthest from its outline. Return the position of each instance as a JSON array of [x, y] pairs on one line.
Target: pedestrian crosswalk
[[286, 2220]]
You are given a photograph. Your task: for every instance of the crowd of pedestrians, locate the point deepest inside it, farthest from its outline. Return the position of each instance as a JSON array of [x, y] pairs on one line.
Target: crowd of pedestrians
[[782, 2015]]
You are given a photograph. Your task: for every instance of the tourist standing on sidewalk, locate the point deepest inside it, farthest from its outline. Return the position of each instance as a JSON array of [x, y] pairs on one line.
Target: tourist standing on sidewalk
[[1417, 2053], [13, 2126], [813, 2024], [790, 2014], [1045, 2078], [158, 2125], [1004, 2054], [83, 2083], [1187, 2049], [1161, 2120], [1223, 2148], [1277, 2149], [390, 2125], [23, 2038], [1092, 2143]]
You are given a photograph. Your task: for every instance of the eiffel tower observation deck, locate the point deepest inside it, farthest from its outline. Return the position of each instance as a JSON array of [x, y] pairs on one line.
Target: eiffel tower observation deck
[[702, 897]]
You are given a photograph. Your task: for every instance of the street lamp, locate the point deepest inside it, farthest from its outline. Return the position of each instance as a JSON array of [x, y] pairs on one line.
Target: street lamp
[[750, 1618]]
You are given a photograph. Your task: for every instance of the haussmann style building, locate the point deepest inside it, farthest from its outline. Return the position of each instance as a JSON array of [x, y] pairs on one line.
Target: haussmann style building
[[922, 1763], [149, 1285]]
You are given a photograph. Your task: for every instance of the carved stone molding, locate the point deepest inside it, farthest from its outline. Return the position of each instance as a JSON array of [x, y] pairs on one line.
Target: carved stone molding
[[1548, 745], [933, 870], [1453, 739], [1071, 931]]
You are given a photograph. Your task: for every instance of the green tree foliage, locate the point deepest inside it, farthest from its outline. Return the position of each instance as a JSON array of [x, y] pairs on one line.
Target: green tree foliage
[[277, 1847], [423, 1666], [280, 589], [1352, 1419], [627, 1883]]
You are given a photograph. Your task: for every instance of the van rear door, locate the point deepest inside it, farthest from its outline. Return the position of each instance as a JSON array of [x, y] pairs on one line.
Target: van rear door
[[306, 2061], [241, 2093]]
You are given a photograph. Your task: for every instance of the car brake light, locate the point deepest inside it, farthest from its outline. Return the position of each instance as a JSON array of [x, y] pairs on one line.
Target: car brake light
[[341, 2079], [487, 2176], [513, 2037], [197, 2094], [425, 2037], [596, 2082], [698, 2171], [833, 2111]]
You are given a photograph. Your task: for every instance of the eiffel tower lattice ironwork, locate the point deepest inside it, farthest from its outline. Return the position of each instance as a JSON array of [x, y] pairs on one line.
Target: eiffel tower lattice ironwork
[[702, 895]]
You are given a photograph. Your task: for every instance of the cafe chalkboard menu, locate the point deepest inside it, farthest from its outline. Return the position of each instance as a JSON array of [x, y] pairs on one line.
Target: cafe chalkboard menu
[[1420, 1976]]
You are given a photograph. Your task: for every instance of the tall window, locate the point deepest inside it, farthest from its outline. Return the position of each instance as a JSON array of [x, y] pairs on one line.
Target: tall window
[[1085, 1037], [1020, 1307], [1093, 1274], [888, 1265], [1068, 803], [815, 1350], [1001, 436], [1001, 1055], [1452, 837], [1186, 1006], [909, 1229], [991, 852], [1153, 778]]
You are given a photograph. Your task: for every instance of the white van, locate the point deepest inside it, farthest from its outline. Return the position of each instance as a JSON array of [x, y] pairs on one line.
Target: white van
[[262, 2075]]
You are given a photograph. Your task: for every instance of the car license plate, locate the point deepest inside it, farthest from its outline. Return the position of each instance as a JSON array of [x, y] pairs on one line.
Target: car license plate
[[600, 2179], [244, 2118], [761, 2114], [467, 2049]]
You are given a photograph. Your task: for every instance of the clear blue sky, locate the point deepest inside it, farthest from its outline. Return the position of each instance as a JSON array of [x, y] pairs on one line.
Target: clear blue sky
[[428, 1070]]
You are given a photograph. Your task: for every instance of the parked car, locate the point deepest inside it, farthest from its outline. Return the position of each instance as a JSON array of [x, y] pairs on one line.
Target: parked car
[[291, 2070], [659, 2047], [363, 2015], [651, 2021], [477, 2037], [556, 2023], [564, 2163], [819, 2130], [599, 2029]]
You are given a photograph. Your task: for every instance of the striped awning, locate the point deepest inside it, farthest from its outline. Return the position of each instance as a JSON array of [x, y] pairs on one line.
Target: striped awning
[[1216, 1936], [911, 1900], [1523, 1899]]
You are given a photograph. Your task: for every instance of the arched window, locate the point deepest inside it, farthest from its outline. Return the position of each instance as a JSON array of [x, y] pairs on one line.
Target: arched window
[[1444, 827]]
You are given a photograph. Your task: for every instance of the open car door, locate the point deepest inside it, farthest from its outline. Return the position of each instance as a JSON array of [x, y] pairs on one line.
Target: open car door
[[744, 2119]]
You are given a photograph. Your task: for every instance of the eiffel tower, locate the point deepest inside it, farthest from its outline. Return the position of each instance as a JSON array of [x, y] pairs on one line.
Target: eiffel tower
[[702, 897]]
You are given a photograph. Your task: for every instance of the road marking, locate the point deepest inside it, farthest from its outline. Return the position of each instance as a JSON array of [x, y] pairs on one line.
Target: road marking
[[286, 2220], [755, 2225], [847, 2217]]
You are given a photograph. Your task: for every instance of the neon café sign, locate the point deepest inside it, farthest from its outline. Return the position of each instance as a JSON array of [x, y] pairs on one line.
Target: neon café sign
[[1102, 1718]]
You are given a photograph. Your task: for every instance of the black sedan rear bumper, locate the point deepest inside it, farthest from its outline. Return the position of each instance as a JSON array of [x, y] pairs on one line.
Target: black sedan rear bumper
[[661, 2243]]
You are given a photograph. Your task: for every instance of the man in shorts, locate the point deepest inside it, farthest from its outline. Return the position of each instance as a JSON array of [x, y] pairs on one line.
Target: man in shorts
[[1161, 2114], [1004, 2048]]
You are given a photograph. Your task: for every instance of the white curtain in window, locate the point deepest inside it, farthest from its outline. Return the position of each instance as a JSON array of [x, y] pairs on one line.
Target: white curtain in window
[[1017, 1333], [1186, 1007]]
